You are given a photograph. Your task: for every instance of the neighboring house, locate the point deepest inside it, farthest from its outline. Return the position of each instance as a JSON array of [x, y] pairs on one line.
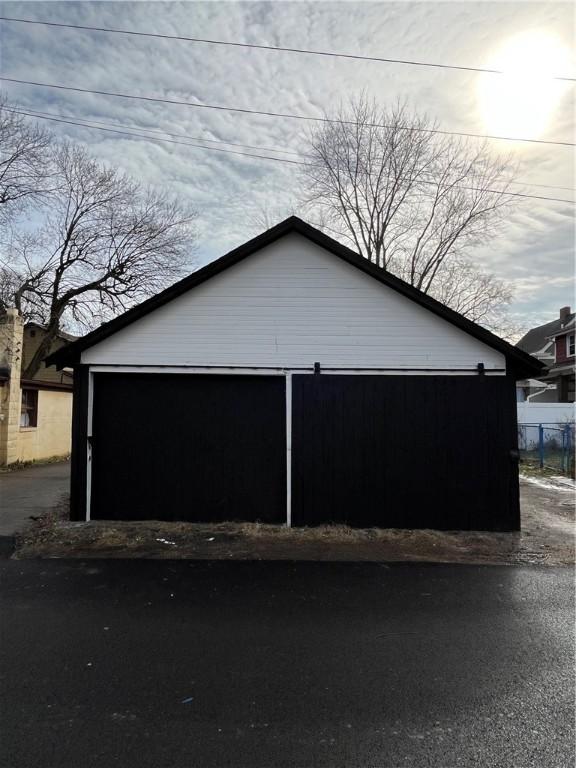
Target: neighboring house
[[553, 345], [35, 414], [292, 381]]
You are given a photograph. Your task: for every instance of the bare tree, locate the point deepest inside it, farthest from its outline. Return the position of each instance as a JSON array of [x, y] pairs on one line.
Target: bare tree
[[480, 296], [9, 282], [24, 162], [106, 242], [260, 216], [411, 200]]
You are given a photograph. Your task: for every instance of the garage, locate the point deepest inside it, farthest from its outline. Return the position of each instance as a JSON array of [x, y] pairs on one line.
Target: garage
[[291, 381]]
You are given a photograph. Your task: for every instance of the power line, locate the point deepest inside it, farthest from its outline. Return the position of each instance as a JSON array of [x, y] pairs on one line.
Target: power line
[[542, 186], [276, 159], [94, 123], [286, 115], [153, 138], [306, 51], [260, 148]]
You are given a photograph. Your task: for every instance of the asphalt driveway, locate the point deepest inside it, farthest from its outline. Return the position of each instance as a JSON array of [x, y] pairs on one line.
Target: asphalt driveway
[[30, 492], [176, 664]]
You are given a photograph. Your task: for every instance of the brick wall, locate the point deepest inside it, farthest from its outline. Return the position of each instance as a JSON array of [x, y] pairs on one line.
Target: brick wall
[[560, 344], [11, 338]]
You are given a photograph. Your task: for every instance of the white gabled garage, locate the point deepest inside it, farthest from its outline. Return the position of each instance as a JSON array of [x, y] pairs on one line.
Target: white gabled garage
[[291, 380]]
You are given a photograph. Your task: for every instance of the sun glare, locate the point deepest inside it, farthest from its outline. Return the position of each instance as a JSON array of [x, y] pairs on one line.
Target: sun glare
[[522, 101]]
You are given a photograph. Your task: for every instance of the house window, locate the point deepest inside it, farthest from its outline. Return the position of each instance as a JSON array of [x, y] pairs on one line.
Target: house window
[[29, 410], [570, 345]]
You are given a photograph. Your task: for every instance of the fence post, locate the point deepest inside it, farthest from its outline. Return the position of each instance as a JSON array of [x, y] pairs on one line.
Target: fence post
[[566, 447], [541, 445]]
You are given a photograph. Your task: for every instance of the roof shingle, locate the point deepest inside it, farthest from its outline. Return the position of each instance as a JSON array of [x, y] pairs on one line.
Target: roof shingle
[[536, 338]]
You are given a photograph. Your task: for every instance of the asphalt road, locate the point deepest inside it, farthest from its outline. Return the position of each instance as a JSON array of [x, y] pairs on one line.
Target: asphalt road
[[160, 664], [31, 491]]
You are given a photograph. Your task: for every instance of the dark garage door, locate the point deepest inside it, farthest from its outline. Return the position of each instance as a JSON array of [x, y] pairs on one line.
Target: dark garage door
[[189, 447], [404, 451]]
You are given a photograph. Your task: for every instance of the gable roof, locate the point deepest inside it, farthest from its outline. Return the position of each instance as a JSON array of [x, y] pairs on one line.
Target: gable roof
[[537, 338], [522, 362]]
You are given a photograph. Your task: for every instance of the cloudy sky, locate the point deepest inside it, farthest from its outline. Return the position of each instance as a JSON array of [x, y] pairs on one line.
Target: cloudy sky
[[231, 192]]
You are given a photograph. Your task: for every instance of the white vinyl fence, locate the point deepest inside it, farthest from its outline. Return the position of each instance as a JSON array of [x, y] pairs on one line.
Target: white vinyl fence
[[546, 413]]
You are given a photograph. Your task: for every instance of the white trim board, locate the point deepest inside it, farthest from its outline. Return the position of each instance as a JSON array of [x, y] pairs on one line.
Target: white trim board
[[89, 443], [288, 450], [283, 371]]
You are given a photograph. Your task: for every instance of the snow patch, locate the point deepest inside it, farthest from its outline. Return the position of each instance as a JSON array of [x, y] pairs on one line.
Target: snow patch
[[553, 483]]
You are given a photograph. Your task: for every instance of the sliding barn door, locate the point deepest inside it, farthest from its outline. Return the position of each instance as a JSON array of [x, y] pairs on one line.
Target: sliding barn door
[[189, 447], [404, 451]]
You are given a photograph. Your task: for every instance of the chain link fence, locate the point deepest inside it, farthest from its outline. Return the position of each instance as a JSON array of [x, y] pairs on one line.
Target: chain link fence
[[549, 446]]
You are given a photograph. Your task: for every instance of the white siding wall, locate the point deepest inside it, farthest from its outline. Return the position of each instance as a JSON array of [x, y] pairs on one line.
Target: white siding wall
[[289, 305]]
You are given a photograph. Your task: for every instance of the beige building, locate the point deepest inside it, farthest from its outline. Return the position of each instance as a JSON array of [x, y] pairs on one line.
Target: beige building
[[35, 414]]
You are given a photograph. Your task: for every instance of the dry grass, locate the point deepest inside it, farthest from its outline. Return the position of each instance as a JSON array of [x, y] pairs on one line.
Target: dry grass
[[18, 465], [54, 536], [547, 538], [336, 532]]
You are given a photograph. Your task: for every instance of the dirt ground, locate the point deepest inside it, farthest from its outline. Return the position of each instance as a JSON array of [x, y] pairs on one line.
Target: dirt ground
[[547, 538]]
